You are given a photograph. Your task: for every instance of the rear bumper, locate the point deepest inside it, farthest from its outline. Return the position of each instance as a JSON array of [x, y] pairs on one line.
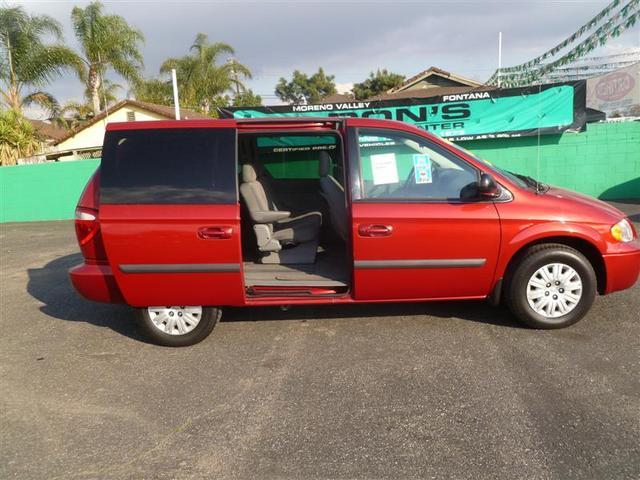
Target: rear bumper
[[96, 283], [622, 270]]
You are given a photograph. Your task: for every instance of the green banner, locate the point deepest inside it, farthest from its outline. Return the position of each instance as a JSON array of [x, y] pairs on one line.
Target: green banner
[[463, 116]]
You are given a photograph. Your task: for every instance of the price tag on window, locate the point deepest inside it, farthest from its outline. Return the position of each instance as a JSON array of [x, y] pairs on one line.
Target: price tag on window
[[422, 169], [384, 169]]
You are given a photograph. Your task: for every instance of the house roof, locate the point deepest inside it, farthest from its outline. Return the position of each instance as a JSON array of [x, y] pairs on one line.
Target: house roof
[[404, 90], [434, 71], [337, 98], [428, 92], [163, 110], [46, 130]]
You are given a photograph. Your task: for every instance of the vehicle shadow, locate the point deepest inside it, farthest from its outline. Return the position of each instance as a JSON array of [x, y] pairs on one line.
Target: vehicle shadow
[[51, 286], [473, 311]]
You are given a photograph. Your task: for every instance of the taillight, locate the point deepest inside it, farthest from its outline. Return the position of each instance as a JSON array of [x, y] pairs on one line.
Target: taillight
[[87, 225], [88, 222]]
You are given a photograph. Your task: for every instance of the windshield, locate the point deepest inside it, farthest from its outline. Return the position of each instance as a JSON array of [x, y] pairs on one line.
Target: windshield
[[515, 178]]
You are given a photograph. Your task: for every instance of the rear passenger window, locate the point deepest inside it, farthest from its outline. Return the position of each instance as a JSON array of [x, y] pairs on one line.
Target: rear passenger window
[[181, 165]]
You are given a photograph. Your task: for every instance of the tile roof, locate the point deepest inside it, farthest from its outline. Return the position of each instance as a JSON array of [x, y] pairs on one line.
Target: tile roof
[[47, 130]]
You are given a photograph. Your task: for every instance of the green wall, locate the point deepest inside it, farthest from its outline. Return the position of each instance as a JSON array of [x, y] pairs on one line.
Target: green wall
[[46, 191], [603, 162]]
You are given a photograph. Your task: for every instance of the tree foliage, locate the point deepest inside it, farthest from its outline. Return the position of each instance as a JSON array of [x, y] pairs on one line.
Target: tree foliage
[[204, 78], [106, 42], [72, 115], [377, 83], [247, 98], [17, 137], [303, 88], [153, 90], [27, 61]]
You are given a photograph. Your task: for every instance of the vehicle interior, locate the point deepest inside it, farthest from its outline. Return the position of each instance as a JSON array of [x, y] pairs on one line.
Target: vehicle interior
[[294, 215]]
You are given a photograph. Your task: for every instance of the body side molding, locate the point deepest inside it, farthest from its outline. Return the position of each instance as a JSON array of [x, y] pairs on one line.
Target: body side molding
[[180, 268], [421, 263]]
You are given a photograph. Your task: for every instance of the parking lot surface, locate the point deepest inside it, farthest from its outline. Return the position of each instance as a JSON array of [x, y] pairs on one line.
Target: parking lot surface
[[430, 390]]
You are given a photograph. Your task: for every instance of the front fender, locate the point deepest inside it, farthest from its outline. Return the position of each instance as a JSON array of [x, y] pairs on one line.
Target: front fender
[[540, 231], [557, 229]]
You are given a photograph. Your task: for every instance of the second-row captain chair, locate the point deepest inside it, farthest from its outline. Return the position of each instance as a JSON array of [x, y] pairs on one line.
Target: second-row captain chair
[[333, 193], [276, 229]]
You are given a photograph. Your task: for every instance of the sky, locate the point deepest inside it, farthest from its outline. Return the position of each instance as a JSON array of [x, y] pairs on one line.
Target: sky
[[348, 38]]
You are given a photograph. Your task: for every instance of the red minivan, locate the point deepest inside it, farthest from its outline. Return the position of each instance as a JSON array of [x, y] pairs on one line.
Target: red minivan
[[185, 217]]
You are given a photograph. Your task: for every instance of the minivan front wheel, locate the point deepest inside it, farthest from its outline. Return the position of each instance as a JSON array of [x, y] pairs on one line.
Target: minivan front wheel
[[178, 326], [552, 286]]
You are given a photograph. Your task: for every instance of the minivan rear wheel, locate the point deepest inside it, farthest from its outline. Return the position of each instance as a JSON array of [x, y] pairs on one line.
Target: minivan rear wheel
[[178, 326], [552, 286]]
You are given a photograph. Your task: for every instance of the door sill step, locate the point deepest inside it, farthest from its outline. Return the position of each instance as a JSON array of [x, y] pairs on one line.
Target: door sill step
[[294, 291]]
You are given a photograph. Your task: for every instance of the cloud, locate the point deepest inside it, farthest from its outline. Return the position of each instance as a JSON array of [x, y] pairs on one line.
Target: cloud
[[348, 38]]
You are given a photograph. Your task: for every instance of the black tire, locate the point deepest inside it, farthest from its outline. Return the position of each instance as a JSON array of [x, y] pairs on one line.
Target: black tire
[[208, 320], [528, 264]]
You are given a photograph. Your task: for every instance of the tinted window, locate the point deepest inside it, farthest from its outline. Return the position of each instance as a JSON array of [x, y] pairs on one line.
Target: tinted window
[[400, 165], [169, 166]]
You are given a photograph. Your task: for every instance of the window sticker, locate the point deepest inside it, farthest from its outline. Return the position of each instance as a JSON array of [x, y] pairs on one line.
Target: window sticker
[[384, 169], [422, 169]]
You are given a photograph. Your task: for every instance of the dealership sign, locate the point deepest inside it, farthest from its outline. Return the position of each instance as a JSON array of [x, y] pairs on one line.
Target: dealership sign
[[464, 116]]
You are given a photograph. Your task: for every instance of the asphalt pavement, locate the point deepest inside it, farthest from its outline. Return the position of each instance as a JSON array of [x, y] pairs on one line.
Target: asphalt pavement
[[430, 390]]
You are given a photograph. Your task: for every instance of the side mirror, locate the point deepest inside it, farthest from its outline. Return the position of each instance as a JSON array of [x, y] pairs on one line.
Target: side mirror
[[487, 187]]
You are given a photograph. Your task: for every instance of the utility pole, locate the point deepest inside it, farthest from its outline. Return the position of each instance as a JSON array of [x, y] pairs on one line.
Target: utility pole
[[499, 57], [176, 100]]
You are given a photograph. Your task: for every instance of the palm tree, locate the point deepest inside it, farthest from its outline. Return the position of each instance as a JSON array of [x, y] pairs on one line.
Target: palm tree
[[203, 81], [72, 114], [27, 61], [108, 93], [106, 41]]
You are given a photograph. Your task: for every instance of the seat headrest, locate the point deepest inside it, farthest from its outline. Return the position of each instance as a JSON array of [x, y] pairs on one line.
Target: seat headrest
[[248, 173], [325, 164]]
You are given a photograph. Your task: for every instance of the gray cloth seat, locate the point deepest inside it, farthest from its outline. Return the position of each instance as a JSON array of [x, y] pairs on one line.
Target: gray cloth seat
[[333, 193], [276, 229]]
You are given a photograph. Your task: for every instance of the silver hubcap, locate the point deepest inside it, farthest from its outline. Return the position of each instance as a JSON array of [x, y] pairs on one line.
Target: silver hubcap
[[554, 290], [175, 320]]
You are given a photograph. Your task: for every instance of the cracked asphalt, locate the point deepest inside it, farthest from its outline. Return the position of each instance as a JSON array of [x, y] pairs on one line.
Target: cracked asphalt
[[431, 390]]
